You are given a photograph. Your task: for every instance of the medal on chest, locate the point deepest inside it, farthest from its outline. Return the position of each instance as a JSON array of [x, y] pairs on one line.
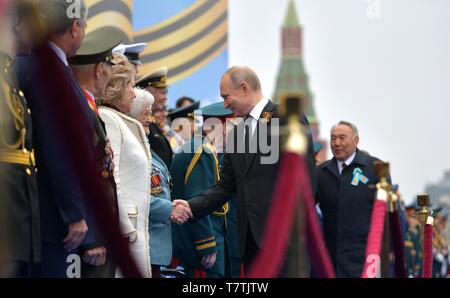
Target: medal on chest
[[108, 162], [155, 181]]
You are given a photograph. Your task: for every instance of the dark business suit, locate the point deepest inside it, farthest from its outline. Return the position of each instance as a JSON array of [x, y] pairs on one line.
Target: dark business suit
[[104, 169], [52, 92], [243, 175], [347, 211]]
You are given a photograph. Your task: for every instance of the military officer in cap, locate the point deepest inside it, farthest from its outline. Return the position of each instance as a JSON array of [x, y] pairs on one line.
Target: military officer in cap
[[183, 120], [201, 246], [161, 114], [156, 83], [132, 52], [92, 69], [233, 254]]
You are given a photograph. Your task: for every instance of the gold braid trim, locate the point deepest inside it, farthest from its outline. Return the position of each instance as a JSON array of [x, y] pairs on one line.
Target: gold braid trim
[[204, 240], [206, 246], [21, 157], [17, 110], [193, 163]]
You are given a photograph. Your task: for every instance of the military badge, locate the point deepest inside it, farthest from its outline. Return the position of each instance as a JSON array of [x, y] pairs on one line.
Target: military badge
[[155, 181], [108, 162]]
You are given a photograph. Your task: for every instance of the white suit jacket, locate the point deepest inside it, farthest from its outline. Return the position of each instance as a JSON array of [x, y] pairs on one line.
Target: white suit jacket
[[132, 172]]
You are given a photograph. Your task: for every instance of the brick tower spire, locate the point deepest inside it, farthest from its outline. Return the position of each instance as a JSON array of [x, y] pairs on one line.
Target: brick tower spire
[[292, 77]]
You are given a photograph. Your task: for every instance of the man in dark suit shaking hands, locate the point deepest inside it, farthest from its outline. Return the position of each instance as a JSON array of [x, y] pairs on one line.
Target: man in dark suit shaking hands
[[249, 174]]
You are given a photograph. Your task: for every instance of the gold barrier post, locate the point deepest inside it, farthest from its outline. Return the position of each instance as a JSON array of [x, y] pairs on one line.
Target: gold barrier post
[[423, 200]]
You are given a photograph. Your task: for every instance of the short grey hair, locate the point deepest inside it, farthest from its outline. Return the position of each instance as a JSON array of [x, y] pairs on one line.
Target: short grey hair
[[143, 98], [239, 74], [351, 125], [59, 15]]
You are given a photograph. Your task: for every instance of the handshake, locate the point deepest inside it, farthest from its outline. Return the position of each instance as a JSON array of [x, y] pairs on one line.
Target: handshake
[[181, 212]]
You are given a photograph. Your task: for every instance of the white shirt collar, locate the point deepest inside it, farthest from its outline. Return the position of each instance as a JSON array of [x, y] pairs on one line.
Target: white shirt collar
[[347, 162], [60, 53], [258, 109]]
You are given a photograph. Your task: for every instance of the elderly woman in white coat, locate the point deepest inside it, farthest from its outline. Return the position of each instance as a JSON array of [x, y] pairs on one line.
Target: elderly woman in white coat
[[161, 204], [132, 161]]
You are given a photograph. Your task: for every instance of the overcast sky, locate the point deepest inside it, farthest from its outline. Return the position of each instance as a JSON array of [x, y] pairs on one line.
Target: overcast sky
[[382, 64]]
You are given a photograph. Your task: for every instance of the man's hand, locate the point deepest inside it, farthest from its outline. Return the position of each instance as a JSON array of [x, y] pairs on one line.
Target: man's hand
[[77, 231], [95, 256], [209, 260], [181, 212]]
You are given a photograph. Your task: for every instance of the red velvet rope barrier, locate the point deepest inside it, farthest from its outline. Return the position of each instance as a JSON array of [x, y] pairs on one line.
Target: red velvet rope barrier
[[398, 244], [318, 252], [268, 262], [375, 236], [428, 251], [280, 220]]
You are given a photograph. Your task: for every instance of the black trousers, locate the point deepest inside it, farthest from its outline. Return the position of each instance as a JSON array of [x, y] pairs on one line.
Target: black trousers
[[251, 251]]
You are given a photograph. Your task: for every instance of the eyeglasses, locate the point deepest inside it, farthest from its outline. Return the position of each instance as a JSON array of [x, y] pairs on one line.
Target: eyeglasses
[[146, 113]]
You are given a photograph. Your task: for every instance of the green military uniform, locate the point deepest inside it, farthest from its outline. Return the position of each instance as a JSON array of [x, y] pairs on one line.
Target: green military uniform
[[19, 199], [234, 260], [233, 269], [97, 48], [194, 173], [194, 170]]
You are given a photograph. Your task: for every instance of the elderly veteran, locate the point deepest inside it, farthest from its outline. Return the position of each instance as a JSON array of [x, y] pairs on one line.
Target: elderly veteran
[[92, 68], [132, 160], [156, 83], [160, 203]]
